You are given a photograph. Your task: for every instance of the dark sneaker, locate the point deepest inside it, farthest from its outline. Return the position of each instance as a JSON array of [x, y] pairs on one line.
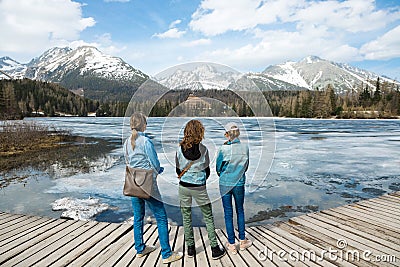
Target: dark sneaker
[[191, 251], [217, 252]]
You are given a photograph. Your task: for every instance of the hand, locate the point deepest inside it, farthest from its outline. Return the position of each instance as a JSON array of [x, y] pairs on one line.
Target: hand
[[161, 170]]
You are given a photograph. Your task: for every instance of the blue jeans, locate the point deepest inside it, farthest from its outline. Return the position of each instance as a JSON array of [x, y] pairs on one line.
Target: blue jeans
[[237, 192], [157, 207]]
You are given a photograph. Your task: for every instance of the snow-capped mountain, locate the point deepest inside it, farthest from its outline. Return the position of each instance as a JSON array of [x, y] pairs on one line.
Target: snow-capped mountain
[[314, 73], [11, 68], [56, 63], [197, 76], [82, 68]]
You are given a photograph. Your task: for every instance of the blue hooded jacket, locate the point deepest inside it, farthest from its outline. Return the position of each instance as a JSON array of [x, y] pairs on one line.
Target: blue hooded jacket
[[232, 163]]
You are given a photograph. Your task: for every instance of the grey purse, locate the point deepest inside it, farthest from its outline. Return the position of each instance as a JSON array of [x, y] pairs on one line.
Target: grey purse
[[138, 182]]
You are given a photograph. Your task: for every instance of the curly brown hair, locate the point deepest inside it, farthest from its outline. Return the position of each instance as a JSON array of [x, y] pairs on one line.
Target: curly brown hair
[[193, 134]]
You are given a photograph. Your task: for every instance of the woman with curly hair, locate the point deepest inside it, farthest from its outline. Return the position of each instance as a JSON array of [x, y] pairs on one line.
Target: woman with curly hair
[[192, 166]]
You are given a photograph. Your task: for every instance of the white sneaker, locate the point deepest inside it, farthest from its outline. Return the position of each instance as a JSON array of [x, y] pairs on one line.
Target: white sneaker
[[146, 250], [245, 244], [174, 257]]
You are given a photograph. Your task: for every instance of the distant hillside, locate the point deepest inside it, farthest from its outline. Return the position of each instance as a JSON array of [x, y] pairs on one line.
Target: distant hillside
[[25, 97]]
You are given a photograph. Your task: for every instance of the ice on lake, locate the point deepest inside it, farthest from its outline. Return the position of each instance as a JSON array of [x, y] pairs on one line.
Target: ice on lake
[[293, 162]]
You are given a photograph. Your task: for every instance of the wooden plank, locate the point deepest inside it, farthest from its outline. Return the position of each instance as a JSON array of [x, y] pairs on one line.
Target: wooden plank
[[128, 258], [361, 225], [8, 217], [114, 252], [179, 246], [289, 247], [334, 229], [96, 250], [14, 223], [249, 258], [366, 218], [229, 259], [15, 234], [253, 252], [352, 230], [47, 251], [321, 242], [397, 193], [359, 214], [373, 213], [354, 241], [201, 258], [392, 210], [387, 203], [391, 198], [384, 211], [376, 211], [265, 248], [206, 242], [294, 243], [79, 246], [28, 243], [157, 261], [41, 232]]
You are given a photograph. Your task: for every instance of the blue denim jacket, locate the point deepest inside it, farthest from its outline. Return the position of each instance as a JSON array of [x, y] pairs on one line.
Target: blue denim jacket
[[232, 163], [144, 156]]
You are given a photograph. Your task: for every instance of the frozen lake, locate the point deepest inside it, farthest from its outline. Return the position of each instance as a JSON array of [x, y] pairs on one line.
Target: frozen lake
[[296, 166]]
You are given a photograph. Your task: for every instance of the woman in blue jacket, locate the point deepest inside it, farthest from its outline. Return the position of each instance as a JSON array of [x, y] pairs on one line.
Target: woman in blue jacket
[[140, 153], [192, 166], [232, 163]]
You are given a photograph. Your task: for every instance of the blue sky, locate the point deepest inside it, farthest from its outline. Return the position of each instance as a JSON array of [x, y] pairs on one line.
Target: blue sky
[[248, 35]]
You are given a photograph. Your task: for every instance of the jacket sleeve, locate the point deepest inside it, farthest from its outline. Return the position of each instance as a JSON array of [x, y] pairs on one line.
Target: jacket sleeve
[[177, 167], [220, 157], [152, 154]]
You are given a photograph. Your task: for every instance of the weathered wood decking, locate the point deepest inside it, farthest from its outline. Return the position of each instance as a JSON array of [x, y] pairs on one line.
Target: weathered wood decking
[[363, 234]]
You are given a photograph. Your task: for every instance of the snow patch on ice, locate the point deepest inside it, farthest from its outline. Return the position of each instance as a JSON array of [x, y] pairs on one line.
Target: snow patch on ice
[[79, 209]]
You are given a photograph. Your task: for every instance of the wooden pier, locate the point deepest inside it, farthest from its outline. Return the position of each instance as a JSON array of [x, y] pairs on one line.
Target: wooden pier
[[366, 233]]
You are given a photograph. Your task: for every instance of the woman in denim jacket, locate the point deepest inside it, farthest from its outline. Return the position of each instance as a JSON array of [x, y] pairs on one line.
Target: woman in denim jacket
[[193, 157], [140, 153], [232, 163]]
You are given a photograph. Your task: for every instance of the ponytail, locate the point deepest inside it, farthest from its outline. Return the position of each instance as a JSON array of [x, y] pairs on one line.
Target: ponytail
[[138, 122], [133, 138]]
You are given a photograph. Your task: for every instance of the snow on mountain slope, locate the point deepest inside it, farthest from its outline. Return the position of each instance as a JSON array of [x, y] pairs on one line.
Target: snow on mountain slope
[[315, 73], [55, 63], [197, 76], [12, 68]]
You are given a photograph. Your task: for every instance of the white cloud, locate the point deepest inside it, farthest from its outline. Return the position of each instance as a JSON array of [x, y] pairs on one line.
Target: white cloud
[[198, 42], [33, 26], [384, 47], [277, 46], [171, 33], [174, 23], [214, 17]]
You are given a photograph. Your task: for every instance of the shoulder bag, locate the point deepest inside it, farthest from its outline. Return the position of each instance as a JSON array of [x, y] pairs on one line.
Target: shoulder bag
[[138, 182]]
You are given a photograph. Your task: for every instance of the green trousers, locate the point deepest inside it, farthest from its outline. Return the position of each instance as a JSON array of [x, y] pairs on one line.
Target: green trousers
[[203, 201]]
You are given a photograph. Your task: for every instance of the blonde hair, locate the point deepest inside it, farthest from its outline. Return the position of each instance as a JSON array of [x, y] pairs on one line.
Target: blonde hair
[[193, 134], [138, 123]]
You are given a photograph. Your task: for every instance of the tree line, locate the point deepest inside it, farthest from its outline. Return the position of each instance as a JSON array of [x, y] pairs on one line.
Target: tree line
[[21, 98]]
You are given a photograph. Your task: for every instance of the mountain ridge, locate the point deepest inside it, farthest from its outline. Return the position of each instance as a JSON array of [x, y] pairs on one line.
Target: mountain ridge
[[106, 77]]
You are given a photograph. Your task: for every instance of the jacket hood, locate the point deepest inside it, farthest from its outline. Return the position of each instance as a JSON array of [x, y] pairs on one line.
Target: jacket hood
[[192, 153]]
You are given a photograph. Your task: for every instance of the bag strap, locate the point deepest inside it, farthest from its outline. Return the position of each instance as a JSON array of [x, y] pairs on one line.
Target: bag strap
[[185, 169]]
